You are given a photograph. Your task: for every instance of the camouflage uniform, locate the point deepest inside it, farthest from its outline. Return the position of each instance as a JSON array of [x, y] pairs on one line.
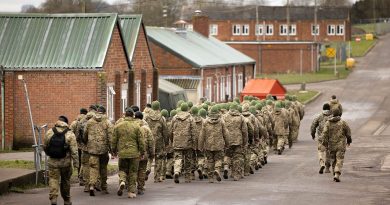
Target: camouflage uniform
[[128, 144], [301, 112], [159, 129], [73, 127], [335, 104], [280, 128], [199, 156], [213, 140], [148, 141], [169, 148], [97, 135], [264, 138], [237, 139], [61, 169], [251, 152], [319, 122], [294, 125], [183, 127], [336, 135]]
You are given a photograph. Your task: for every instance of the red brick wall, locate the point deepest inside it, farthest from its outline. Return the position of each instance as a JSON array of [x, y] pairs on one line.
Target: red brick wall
[[201, 24], [9, 110]]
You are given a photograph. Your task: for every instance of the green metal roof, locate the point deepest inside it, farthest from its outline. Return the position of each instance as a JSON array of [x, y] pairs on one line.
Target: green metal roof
[[169, 87], [55, 41], [197, 50], [130, 26]]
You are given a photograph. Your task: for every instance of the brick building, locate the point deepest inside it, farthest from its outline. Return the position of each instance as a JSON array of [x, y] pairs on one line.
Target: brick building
[[276, 36], [202, 65], [68, 61]]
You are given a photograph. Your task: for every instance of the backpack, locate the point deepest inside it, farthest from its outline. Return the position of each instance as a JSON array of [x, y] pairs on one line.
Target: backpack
[[57, 146]]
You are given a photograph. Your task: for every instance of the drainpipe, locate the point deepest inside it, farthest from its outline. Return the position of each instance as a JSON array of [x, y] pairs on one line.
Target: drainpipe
[[2, 107], [234, 82], [201, 94]]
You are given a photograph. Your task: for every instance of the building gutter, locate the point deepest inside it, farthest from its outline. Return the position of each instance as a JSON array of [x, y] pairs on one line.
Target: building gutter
[[2, 107]]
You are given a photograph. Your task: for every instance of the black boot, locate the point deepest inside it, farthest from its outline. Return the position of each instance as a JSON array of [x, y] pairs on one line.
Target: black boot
[[321, 170]]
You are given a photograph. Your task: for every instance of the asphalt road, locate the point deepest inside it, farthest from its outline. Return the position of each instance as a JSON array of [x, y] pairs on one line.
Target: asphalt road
[[293, 177]]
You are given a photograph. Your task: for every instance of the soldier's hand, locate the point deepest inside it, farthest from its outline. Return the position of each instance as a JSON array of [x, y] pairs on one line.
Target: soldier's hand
[[313, 136], [142, 157]]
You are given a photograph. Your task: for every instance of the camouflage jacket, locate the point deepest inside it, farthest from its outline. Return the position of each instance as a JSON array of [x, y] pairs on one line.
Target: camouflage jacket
[[70, 140], [335, 104], [73, 126], [268, 121], [127, 139], [336, 134], [213, 136], [198, 128], [281, 122], [301, 109], [286, 113], [237, 128], [319, 123], [97, 134], [263, 129], [169, 148], [158, 126], [80, 127], [294, 116], [183, 131], [253, 127], [147, 138]]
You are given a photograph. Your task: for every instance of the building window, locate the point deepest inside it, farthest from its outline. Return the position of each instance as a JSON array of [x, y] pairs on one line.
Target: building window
[[283, 30], [292, 30], [315, 29], [149, 98], [331, 30], [123, 100], [259, 29], [229, 85], [110, 102], [222, 87], [236, 29], [245, 29], [209, 87], [214, 29], [340, 30], [240, 83], [269, 31], [138, 93], [190, 27]]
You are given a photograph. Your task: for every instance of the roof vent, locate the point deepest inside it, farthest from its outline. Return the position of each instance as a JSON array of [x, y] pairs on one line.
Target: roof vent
[[198, 12], [181, 27]]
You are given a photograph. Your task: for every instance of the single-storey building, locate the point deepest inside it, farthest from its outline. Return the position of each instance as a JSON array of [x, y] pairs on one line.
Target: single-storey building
[[69, 61], [260, 88]]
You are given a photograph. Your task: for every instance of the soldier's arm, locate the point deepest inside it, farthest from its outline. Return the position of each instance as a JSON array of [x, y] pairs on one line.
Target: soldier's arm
[[85, 133], [150, 143], [193, 135], [347, 132], [244, 131], [263, 134], [73, 149], [201, 138], [224, 133], [325, 135], [48, 135], [314, 126], [140, 142], [110, 129], [256, 129], [165, 132], [114, 141]]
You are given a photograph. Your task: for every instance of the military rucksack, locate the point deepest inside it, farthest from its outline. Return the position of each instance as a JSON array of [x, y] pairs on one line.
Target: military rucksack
[[57, 146]]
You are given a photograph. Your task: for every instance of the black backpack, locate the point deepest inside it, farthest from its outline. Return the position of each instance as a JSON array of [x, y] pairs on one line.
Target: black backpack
[[57, 146]]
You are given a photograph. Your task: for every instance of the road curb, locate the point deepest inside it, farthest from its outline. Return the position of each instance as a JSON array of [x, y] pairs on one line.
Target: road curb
[[6, 185], [313, 98], [370, 48]]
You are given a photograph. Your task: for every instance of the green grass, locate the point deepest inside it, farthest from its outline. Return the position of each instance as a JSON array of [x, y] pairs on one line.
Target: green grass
[[20, 164], [359, 49], [305, 96], [325, 74], [370, 27], [22, 188], [19, 150]]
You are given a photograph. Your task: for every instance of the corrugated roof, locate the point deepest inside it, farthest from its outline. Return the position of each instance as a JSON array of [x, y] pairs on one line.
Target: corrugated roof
[[168, 87], [196, 49], [276, 13], [55, 41], [130, 26]]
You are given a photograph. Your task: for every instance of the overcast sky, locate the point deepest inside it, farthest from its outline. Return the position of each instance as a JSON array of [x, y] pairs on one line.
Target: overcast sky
[[16, 5]]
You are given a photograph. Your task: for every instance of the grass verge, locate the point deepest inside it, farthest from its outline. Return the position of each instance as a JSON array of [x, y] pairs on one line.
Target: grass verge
[[305, 96], [20, 164]]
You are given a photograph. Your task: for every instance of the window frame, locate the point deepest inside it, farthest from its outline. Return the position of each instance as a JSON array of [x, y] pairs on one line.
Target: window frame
[[283, 29], [236, 29], [338, 27], [258, 28], [269, 27], [110, 102], [315, 28], [332, 28], [245, 30], [213, 29]]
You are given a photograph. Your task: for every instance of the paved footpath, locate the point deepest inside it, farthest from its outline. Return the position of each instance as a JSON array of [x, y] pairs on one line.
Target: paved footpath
[[293, 177]]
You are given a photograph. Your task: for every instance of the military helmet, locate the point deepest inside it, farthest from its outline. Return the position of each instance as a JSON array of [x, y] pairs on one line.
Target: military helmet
[[240, 108], [101, 109], [269, 97], [252, 109], [233, 106], [253, 103], [165, 113], [278, 105], [173, 113], [283, 103], [205, 106], [246, 98], [203, 113], [245, 108], [287, 97], [194, 111], [214, 110], [179, 103], [190, 104], [288, 103], [155, 105], [269, 102], [293, 98], [184, 107], [237, 100], [259, 106]]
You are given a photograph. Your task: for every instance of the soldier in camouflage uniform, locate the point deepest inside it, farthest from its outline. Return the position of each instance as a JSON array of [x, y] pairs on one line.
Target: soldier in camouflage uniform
[[335, 104], [159, 129], [301, 110], [263, 138], [252, 149], [128, 145], [236, 141], [183, 129], [318, 126], [295, 122], [60, 169], [212, 141], [336, 135], [280, 127], [73, 127], [169, 163], [148, 141], [97, 135], [198, 155]]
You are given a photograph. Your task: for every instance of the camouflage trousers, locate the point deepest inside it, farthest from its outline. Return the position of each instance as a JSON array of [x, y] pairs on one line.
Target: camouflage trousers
[[98, 170], [293, 135], [256, 154], [59, 180], [169, 165], [336, 158], [214, 162], [202, 162], [183, 162], [281, 142], [234, 159], [128, 171], [159, 163], [84, 171], [142, 166], [247, 160], [322, 155]]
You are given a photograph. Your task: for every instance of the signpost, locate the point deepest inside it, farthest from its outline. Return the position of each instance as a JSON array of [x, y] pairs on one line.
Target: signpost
[[331, 53]]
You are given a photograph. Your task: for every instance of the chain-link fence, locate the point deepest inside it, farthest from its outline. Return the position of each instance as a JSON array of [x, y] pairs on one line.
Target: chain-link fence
[[379, 26]]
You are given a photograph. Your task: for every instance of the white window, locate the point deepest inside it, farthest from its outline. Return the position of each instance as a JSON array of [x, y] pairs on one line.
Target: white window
[[190, 27], [229, 85], [138, 93], [236, 29], [315, 29], [240, 82], [110, 102], [331, 30], [283, 30], [222, 87], [123, 100], [340, 30], [245, 29], [259, 29], [149, 98], [209, 87], [214, 29], [292, 29], [269, 31]]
